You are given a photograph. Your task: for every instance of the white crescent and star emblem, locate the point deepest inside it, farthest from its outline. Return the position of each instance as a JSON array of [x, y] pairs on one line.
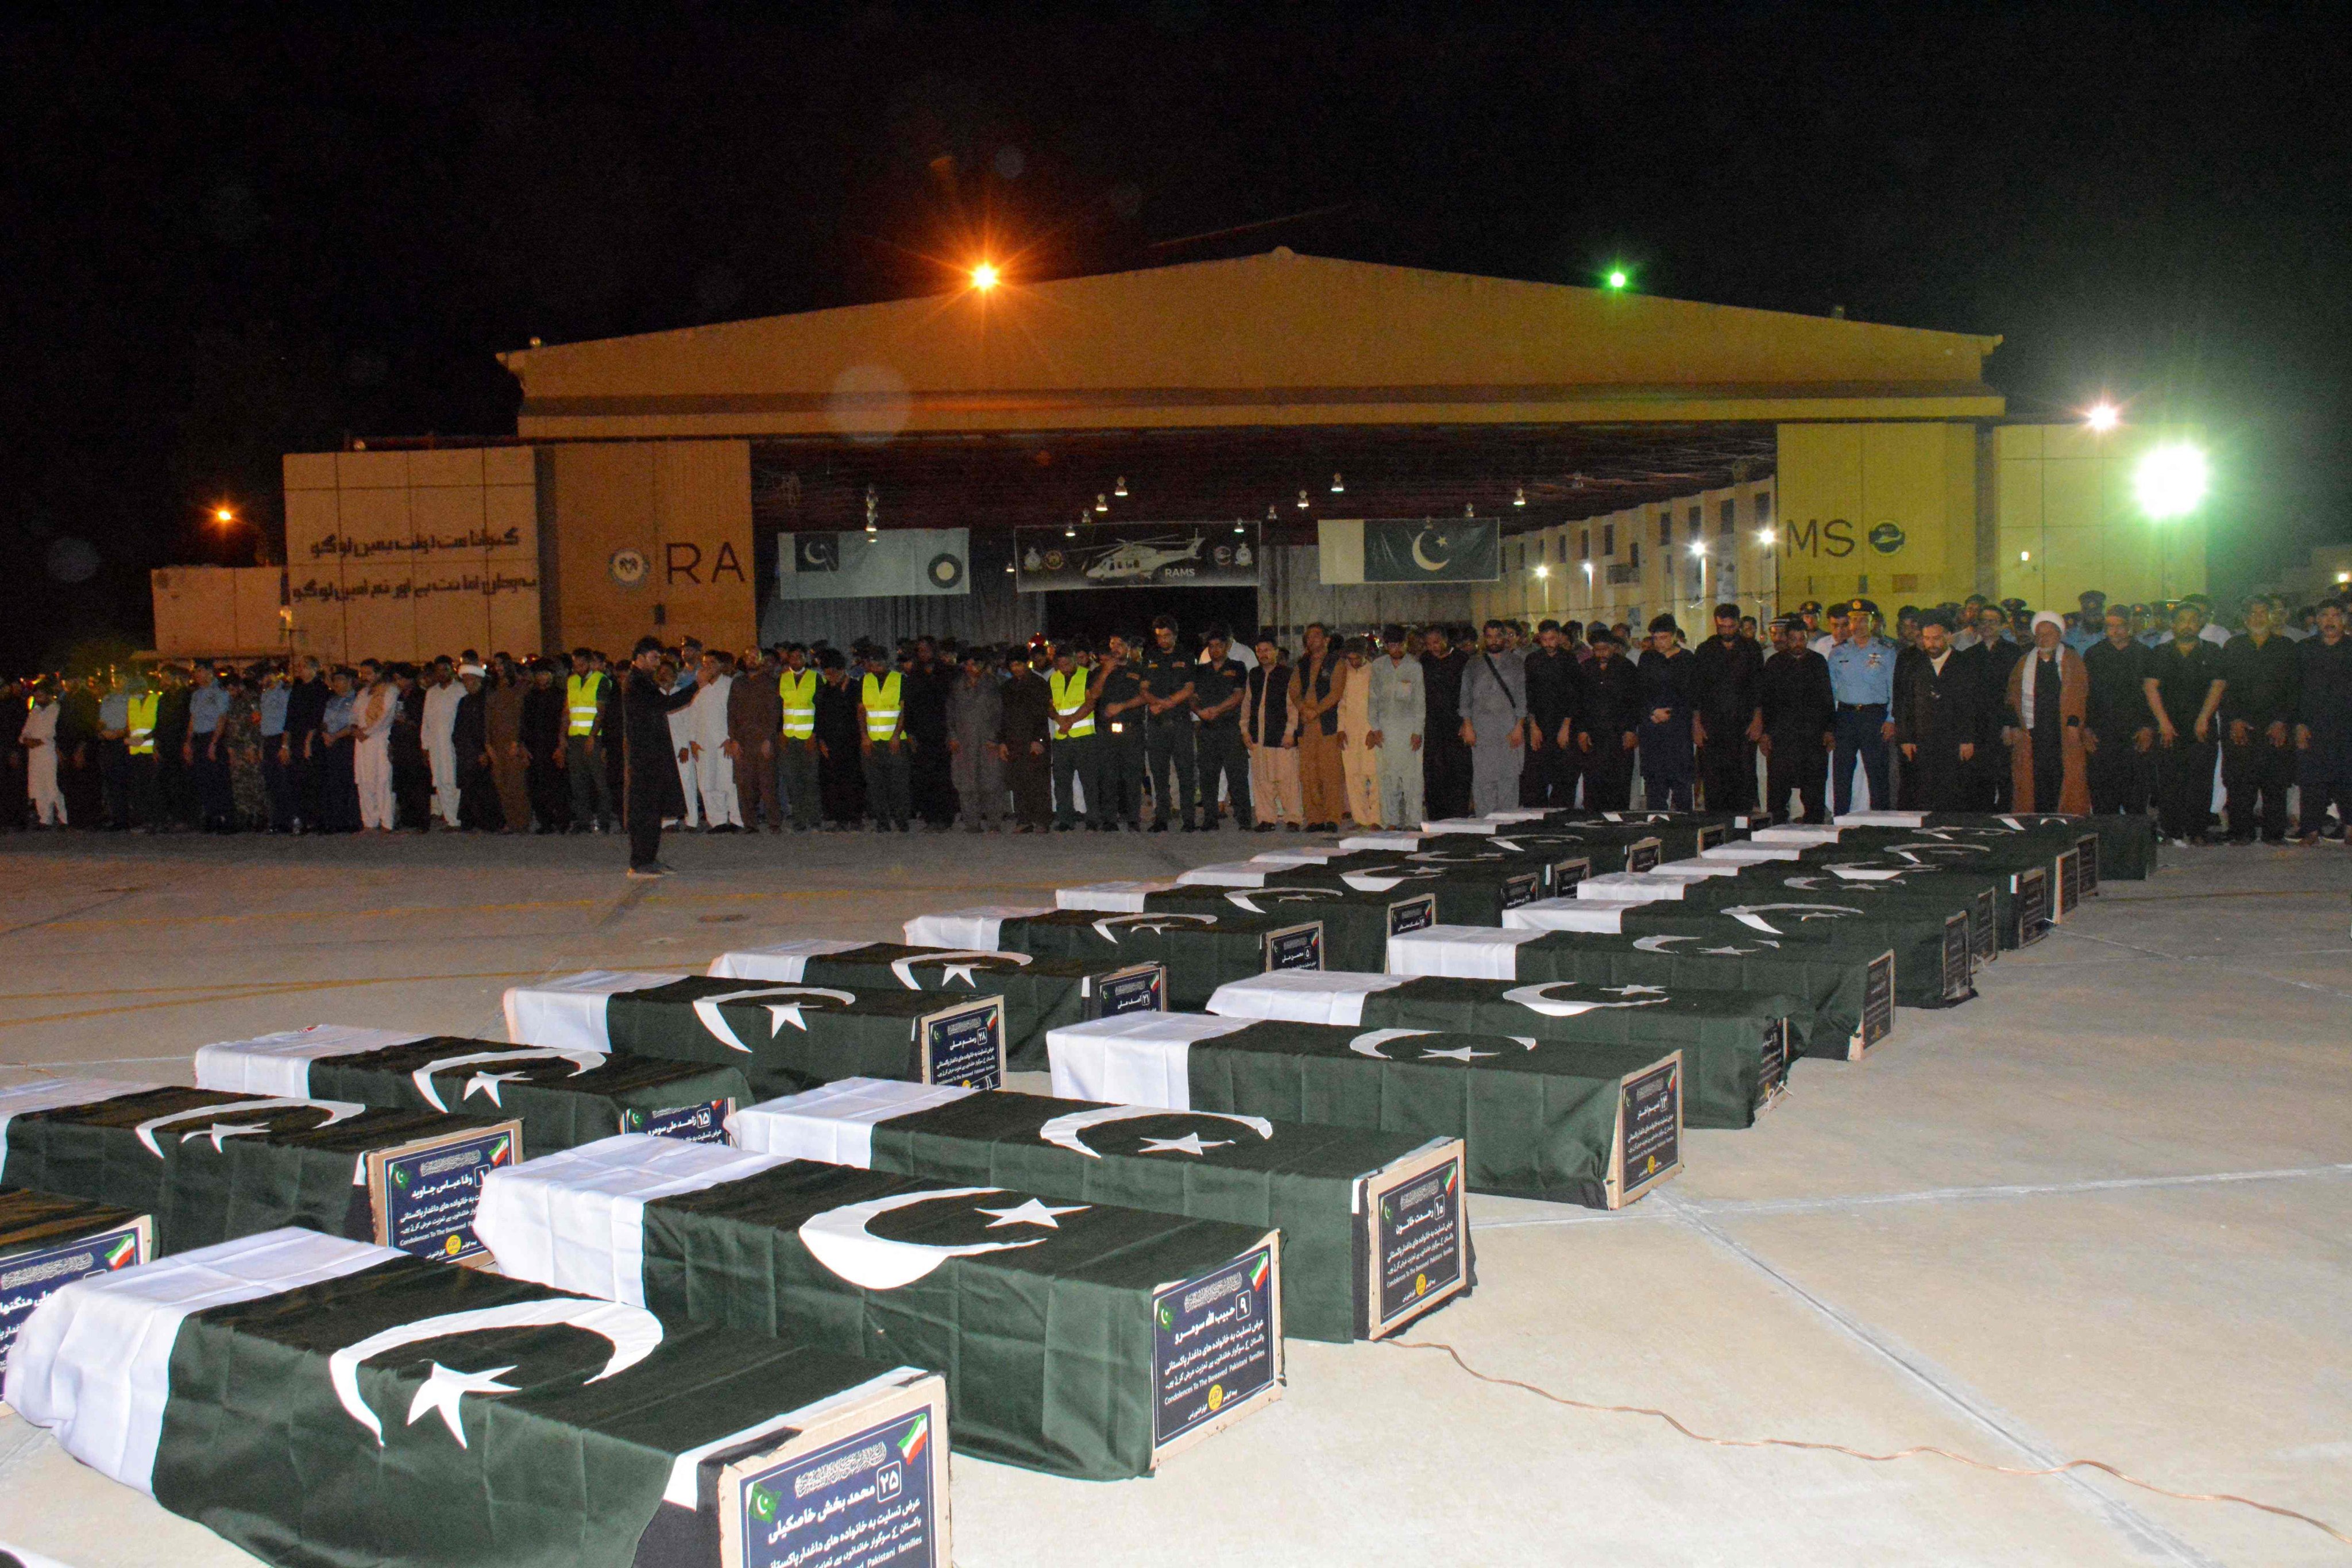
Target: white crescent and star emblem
[[838, 1239], [1034, 1211], [1420, 556], [1368, 1043], [1753, 914], [1462, 1053], [956, 964], [336, 1110], [1066, 1131], [1635, 990], [1537, 999], [582, 1061], [779, 1013], [1280, 896], [632, 1333], [1735, 952], [1158, 924], [487, 1083], [1191, 1143], [1660, 943]]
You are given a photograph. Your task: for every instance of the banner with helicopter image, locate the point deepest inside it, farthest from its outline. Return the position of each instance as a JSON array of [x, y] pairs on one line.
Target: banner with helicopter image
[[1137, 555]]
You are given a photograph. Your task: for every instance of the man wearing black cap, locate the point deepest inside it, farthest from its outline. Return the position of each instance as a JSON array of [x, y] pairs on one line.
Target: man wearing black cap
[[1607, 724], [1728, 673], [2090, 623], [1221, 686], [1554, 680], [1168, 683], [1800, 717]]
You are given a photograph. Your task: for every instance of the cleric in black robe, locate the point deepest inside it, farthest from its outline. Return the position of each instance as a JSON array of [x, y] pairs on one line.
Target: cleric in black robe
[[479, 807], [1445, 760], [1939, 720], [841, 764], [649, 761]]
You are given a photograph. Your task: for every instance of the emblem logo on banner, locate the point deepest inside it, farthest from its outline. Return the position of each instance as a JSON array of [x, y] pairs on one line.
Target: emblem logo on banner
[[628, 567]]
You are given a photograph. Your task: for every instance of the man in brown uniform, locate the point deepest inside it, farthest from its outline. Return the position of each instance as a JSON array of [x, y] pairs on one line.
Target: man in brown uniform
[[755, 715], [1316, 688]]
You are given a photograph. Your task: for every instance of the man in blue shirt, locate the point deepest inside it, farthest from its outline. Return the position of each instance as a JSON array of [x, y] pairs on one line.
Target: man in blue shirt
[[114, 755], [2090, 627], [1861, 681], [205, 752], [277, 777]]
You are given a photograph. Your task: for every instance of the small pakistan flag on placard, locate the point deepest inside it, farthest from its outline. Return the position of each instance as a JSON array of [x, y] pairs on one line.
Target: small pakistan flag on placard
[[1432, 551]]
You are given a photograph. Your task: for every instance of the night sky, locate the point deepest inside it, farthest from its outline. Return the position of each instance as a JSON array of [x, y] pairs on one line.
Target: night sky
[[222, 243]]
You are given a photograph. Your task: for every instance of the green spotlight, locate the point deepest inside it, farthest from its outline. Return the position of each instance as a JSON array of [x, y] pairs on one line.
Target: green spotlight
[[2170, 480], [1618, 278]]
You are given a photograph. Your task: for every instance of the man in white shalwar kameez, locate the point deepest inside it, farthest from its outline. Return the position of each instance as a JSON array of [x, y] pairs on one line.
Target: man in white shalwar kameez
[[714, 770], [40, 740], [441, 700]]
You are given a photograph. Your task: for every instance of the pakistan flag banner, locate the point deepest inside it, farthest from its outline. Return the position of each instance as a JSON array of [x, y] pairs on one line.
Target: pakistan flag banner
[[1736, 1047], [1356, 926], [1039, 994], [48, 1241], [1851, 997], [211, 1166], [1598, 1125], [1894, 891], [315, 1401], [1202, 950], [781, 1037], [1327, 1189], [1935, 964], [563, 1097], [1076, 1337], [2128, 845]]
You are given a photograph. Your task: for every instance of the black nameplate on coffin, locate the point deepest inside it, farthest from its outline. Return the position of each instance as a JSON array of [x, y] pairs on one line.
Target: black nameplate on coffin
[[2070, 882], [1643, 856], [1959, 955], [1878, 997], [1523, 888], [2030, 902], [1567, 874], [963, 1045], [1415, 914], [1213, 1344], [1138, 988], [1709, 838], [704, 1124], [2086, 853], [1418, 1231], [28, 1279], [1983, 928], [1772, 1063], [1294, 947], [863, 1500], [1650, 1112]]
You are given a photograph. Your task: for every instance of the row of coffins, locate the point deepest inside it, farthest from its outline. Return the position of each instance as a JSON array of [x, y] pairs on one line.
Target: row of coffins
[[1087, 1281]]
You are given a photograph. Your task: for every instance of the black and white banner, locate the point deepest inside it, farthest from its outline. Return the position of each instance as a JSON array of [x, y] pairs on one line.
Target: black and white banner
[[1138, 555]]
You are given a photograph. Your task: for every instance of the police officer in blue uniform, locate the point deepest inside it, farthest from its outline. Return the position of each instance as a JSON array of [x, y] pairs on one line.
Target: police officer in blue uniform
[[1862, 680]]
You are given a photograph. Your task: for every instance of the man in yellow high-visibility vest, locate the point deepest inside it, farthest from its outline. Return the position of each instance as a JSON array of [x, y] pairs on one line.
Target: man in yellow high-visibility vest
[[584, 692], [882, 739], [1077, 765], [144, 706], [796, 687]]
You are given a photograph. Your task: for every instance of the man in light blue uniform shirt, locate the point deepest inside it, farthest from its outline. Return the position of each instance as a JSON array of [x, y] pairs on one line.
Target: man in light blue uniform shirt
[[1862, 681], [277, 777], [2090, 627], [205, 752]]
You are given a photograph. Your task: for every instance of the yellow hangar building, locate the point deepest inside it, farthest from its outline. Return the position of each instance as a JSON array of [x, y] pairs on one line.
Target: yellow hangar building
[[1635, 455]]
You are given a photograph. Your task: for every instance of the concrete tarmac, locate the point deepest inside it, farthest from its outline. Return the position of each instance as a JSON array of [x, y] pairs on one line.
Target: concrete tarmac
[[2097, 1213]]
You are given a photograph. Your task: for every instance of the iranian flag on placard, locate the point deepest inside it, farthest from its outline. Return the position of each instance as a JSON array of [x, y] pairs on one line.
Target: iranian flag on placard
[[320, 1401]]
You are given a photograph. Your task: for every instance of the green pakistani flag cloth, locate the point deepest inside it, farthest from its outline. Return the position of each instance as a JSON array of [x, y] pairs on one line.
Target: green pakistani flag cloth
[[1076, 1337], [1040, 993], [563, 1097], [1374, 1234], [783, 1038], [1432, 551], [1592, 1124], [1998, 906], [1851, 997], [1356, 926], [48, 1241], [211, 1166], [1677, 836], [1735, 1047], [322, 1403], [2128, 845], [1472, 884], [1203, 949]]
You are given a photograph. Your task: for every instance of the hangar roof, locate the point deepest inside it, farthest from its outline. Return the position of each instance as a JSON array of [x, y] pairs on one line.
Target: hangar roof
[[1272, 340]]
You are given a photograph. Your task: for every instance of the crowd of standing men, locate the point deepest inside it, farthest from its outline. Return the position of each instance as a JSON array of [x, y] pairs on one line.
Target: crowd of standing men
[[1972, 707]]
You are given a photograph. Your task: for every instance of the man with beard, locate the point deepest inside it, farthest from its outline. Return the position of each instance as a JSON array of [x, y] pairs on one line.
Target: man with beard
[[2264, 680], [1936, 724], [2322, 731], [1799, 716], [650, 787], [1444, 764], [1554, 680], [1168, 739], [2001, 652], [1028, 726], [1663, 683], [305, 740], [1221, 685], [2183, 681], [930, 783], [1608, 725], [1317, 688], [975, 727], [480, 810], [1271, 731], [1494, 704], [2046, 704], [841, 764], [545, 749], [2119, 733], [510, 759], [1118, 735], [1725, 672]]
